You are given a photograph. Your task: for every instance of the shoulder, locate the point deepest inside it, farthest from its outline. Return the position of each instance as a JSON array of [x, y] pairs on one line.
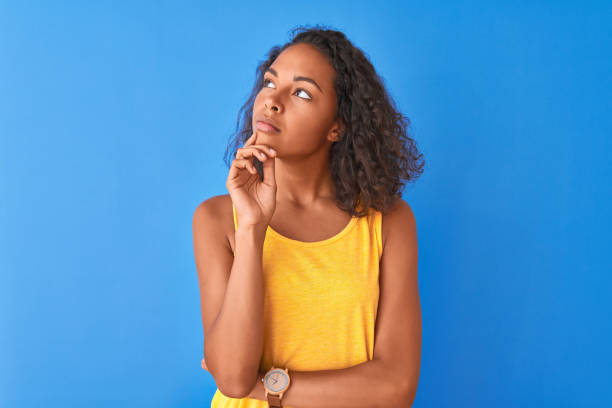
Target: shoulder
[[215, 213], [213, 207], [398, 222]]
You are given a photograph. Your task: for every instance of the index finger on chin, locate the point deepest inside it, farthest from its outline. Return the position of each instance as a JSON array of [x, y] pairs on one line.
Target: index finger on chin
[[251, 140]]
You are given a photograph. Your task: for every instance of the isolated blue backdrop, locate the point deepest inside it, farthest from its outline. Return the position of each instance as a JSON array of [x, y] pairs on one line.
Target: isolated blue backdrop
[[113, 122]]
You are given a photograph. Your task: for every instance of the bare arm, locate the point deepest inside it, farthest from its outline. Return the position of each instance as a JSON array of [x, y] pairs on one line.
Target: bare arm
[[231, 284], [231, 298], [366, 385]]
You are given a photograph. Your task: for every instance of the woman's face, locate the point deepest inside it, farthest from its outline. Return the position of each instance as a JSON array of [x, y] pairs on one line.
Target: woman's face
[[302, 109]]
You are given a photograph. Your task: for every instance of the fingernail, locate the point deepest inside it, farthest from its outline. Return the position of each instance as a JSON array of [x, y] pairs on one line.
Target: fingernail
[[272, 151]]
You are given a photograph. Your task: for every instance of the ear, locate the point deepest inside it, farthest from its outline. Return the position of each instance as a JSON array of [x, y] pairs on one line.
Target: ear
[[336, 132]]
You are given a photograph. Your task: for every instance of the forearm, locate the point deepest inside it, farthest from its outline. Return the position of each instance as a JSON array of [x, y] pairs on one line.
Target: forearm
[[235, 340], [368, 385]]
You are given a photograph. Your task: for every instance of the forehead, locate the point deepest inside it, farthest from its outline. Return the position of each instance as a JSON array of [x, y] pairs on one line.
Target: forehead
[[306, 60]]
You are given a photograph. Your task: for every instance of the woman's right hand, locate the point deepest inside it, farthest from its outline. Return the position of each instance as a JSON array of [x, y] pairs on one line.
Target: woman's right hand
[[254, 199]]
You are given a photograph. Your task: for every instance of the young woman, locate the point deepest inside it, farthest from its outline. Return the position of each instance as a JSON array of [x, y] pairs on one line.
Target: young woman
[[308, 267]]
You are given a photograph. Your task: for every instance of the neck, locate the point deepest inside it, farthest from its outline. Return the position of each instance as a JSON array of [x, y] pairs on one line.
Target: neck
[[302, 182]]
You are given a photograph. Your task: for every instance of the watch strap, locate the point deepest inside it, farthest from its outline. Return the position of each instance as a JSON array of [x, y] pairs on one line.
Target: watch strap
[[274, 401]]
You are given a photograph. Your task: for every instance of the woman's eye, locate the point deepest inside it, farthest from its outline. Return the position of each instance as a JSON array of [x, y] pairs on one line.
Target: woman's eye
[[305, 93], [267, 81]]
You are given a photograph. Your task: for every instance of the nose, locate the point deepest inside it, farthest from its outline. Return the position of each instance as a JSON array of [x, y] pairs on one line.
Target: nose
[[271, 104]]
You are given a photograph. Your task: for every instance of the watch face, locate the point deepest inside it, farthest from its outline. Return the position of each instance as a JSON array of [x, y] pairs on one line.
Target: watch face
[[276, 380]]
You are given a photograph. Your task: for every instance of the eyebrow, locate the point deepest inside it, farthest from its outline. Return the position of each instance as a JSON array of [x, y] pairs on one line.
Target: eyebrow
[[296, 78]]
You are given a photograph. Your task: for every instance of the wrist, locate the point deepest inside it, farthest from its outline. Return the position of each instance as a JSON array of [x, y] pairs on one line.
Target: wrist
[[251, 233], [276, 383]]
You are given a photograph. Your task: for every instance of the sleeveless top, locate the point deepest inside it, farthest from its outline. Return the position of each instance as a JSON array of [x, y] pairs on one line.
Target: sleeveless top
[[320, 301]]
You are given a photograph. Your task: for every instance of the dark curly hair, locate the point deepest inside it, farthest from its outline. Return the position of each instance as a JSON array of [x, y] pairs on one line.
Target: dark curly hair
[[375, 154]]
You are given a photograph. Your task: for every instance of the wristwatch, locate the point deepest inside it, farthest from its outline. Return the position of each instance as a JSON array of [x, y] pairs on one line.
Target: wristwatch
[[276, 381]]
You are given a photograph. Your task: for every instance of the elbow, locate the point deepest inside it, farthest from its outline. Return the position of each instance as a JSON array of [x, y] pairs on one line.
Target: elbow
[[234, 388], [406, 395], [233, 391], [232, 381], [233, 384]]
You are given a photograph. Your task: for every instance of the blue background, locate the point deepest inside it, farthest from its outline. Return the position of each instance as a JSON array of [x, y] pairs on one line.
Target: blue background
[[114, 117]]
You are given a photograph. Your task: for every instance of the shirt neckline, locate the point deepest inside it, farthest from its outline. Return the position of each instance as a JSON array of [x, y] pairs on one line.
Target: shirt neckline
[[326, 241]]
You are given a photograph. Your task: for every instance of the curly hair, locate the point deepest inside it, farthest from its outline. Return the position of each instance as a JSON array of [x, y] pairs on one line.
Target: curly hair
[[375, 153]]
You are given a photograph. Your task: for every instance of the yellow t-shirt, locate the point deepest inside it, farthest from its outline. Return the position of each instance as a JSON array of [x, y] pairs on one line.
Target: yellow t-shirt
[[320, 301]]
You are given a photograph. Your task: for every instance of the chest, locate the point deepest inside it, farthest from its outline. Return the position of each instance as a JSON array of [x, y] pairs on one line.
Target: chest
[[304, 226]]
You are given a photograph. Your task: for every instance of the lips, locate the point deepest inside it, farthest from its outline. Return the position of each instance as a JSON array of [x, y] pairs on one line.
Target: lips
[[266, 126]]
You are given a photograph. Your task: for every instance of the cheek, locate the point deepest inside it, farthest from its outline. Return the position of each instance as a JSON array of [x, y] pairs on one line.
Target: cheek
[[309, 129], [257, 98], [317, 118]]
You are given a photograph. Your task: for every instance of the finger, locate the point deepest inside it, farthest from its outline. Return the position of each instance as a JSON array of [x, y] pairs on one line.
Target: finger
[[259, 151], [251, 140], [239, 166], [247, 165]]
